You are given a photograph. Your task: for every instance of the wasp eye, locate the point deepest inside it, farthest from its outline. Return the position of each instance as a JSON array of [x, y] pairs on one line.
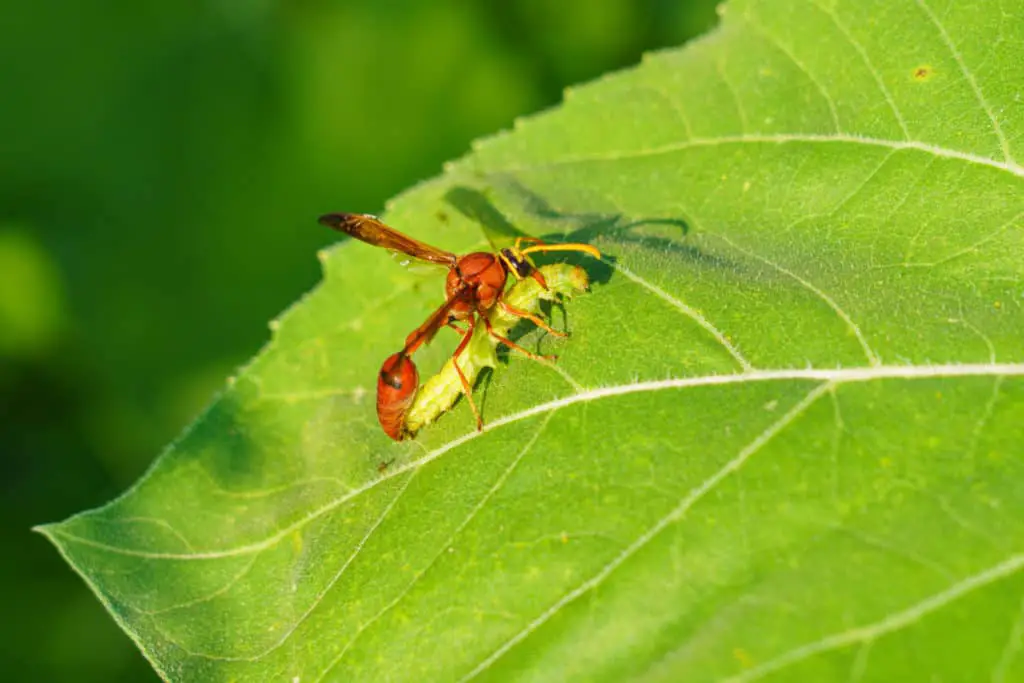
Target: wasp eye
[[519, 264]]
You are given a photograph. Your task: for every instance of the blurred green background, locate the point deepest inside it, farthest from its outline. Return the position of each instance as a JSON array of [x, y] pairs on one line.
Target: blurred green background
[[162, 165]]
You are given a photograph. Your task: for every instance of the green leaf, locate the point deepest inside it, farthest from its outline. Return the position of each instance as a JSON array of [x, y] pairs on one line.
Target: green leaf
[[785, 441]]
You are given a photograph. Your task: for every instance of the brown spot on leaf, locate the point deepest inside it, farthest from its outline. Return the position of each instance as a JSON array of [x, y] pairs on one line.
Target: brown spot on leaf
[[923, 73]]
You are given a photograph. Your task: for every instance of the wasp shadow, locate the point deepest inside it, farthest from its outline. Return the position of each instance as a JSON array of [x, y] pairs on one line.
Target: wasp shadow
[[478, 207], [474, 205], [671, 236]]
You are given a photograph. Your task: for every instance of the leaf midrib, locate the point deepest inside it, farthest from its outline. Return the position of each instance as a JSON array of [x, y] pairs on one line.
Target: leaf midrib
[[835, 376], [826, 380]]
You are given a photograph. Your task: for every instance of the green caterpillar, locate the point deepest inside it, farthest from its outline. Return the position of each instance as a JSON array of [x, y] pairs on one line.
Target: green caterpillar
[[439, 393]]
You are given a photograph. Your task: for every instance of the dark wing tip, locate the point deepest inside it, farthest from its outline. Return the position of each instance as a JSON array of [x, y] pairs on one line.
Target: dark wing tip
[[335, 220]]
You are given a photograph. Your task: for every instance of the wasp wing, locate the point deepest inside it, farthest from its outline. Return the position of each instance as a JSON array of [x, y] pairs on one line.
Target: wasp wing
[[438, 319], [367, 228]]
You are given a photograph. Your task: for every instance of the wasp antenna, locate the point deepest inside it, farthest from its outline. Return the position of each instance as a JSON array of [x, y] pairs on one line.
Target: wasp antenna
[[569, 246]]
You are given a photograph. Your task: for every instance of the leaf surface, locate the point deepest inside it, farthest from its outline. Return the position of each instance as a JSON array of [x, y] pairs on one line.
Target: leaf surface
[[785, 441]]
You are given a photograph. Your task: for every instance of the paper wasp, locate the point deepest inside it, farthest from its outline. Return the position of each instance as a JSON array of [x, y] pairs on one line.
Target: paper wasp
[[474, 286]]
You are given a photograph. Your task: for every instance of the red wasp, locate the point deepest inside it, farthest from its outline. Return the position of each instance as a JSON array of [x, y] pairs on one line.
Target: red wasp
[[473, 287]]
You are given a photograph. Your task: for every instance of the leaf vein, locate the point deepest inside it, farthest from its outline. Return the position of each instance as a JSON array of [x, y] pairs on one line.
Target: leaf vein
[[775, 138], [676, 106], [228, 585], [740, 111], [337, 575], [973, 248], [996, 128], [833, 112], [499, 482], [689, 312], [1012, 648], [836, 376], [853, 327], [875, 74], [674, 515], [883, 627]]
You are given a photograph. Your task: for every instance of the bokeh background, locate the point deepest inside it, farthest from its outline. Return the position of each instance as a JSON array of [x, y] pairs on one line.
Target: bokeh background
[[162, 165]]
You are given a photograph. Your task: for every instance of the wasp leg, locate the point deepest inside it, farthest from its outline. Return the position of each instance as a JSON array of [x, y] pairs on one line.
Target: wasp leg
[[467, 335], [536, 320], [512, 345], [452, 324]]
